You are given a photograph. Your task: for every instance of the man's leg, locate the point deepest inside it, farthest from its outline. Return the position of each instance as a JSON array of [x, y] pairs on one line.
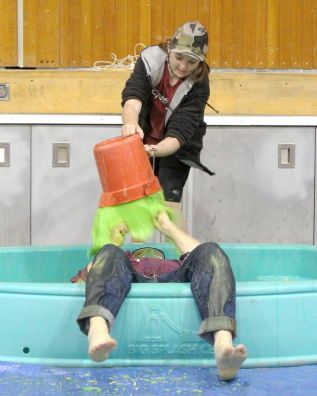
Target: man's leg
[[108, 283], [229, 357], [100, 343], [213, 286]]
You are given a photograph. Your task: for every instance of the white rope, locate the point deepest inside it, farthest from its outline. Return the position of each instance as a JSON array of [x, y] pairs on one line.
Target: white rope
[[125, 63]]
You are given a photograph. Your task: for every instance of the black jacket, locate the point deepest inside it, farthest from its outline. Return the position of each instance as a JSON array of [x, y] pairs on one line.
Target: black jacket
[[185, 116]]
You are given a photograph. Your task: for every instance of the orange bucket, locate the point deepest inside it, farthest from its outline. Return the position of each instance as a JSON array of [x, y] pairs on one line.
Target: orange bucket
[[124, 170]]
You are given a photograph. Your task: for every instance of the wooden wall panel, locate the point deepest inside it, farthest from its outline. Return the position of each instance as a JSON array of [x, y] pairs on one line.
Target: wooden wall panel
[[227, 17], [99, 92], [314, 35], [180, 14], [109, 32], [203, 13], [168, 12], [309, 34], [8, 33], [74, 38], [86, 33], [41, 33], [121, 38], [214, 29], [249, 33], [263, 34], [98, 30], [133, 28], [145, 17], [273, 23], [29, 33], [285, 35], [64, 32], [238, 29], [296, 39], [156, 21]]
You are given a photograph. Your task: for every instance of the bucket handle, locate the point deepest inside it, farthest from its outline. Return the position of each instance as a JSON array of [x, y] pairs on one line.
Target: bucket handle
[[153, 161]]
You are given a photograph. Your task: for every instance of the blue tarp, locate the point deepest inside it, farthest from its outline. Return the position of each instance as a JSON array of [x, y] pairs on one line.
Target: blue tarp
[[40, 380]]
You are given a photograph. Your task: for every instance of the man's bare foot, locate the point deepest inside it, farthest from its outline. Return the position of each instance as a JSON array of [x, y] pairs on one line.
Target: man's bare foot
[[100, 343], [229, 357]]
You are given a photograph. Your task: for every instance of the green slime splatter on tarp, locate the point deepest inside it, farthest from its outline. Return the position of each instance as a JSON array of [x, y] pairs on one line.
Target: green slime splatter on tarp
[[91, 389]]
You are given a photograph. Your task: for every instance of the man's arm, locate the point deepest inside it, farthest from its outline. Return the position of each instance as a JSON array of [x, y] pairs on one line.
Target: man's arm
[[183, 241]]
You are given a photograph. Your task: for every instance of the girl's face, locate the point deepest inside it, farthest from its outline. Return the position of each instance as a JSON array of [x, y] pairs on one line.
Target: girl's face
[[182, 65]]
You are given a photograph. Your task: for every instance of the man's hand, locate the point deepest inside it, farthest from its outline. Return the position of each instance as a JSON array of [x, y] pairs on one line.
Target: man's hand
[[183, 241], [163, 223], [118, 234]]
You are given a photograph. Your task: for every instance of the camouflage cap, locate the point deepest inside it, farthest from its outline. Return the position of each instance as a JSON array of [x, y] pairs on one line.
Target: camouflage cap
[[190, 39]]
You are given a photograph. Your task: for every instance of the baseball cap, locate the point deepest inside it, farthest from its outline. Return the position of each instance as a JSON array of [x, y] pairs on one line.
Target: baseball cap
[[190, 39]]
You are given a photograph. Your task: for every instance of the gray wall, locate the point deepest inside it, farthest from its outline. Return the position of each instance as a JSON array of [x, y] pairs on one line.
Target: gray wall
[[45, 205], [15, 186], [250, 199]]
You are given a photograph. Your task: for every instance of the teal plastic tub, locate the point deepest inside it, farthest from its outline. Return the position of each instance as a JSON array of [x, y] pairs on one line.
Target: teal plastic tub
[[158, 323]]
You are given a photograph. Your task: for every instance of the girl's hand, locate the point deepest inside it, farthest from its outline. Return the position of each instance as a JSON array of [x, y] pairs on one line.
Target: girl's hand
[[131, 129], [151, 150]]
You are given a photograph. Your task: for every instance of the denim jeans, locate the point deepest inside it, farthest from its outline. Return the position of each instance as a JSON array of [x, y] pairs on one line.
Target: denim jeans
[[207, 268]]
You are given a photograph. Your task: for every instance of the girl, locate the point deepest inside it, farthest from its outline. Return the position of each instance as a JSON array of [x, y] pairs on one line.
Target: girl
[[164, 101]]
